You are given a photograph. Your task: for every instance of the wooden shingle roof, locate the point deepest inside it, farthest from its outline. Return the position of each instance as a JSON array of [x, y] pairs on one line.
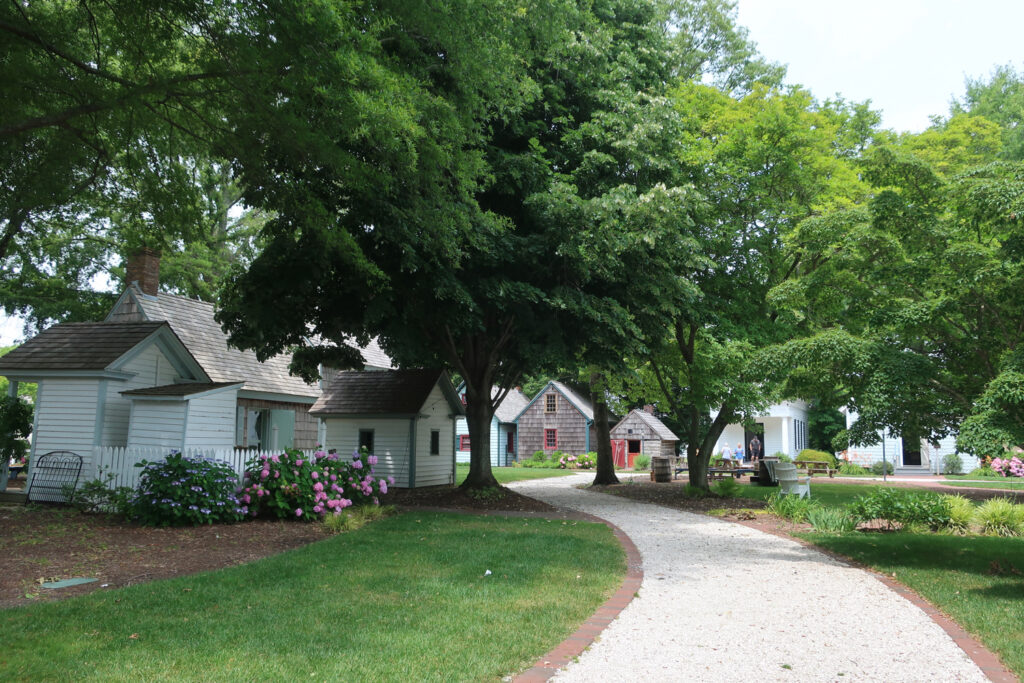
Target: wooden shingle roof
[[180, 389], [513, 404], [194, 324], [78, 346], [382, 392], [659, 428], [582, 404]]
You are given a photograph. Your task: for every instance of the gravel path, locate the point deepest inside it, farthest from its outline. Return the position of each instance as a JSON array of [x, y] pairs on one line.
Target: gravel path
[[724, 602]]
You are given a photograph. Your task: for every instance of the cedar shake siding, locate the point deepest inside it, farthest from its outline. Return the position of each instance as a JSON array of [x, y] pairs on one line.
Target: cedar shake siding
[[572, 426], [656, 440]]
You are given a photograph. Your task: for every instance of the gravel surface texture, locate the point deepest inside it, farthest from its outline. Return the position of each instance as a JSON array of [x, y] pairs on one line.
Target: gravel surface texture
[[724, 602]]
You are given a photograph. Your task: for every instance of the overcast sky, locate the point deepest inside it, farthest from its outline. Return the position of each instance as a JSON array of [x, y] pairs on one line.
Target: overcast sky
[[909, 57]]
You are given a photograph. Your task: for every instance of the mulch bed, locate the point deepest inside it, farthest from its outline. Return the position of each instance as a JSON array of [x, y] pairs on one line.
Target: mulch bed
[[40, 544]]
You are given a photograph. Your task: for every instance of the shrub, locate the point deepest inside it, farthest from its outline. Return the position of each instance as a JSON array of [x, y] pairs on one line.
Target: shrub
[[182, 490], [961, 513], [816, 456], [586, 461], [876, 467], [101, 496], [567, 462], [292, 485], [1000, 517], [1008, 467], [980, 472], [789, 507], [538, 456], [851, 468], [783, 457], [354, 518], [952, 463], [692, 491], [831, 520], [727, 488], [897, 506], [641, 462]]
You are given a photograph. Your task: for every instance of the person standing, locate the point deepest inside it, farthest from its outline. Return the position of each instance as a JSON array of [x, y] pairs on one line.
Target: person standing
[[738, 453], [755, 448]]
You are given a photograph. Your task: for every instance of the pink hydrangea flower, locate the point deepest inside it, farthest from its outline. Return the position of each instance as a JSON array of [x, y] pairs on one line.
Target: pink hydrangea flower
[[315, 475], [317, 509], [264, 474], [299, 462], [383, 486], [334, 477], [298, 512], [358, 464], [391, 480], [372, 460], [277, 474], [318, 486]]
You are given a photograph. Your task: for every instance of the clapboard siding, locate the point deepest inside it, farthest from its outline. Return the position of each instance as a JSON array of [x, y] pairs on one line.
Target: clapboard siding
[[157, 423], [151, 369], [432, 470], [496, 450], [66, 417], [571, 424], [211, 421], [390, 439]]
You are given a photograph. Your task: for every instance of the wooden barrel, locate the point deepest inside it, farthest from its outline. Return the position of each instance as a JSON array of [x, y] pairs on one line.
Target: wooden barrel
[[661, 469]]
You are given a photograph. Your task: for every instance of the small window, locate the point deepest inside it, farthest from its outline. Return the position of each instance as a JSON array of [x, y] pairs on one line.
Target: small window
[[435, 442], [550, 403], [463, 442], [463, 397], [366, 440], [550, 439]]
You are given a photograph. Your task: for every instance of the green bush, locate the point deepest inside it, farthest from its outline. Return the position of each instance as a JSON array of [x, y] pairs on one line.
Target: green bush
[[542, 465], [903, 507], [538, 456], [586, 461], [790, 507], [101, 496], [641, 462], [692, 491], [783, 457], [952, 463], [831, 520], [727, 488], [816, 456], [1000, 517], [981, 472], [183, 490], [851, 468], [961, 513], [876, 468]]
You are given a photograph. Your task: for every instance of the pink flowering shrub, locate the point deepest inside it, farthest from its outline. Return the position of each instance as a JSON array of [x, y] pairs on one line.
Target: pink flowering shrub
[[293, 486], [1008, 467]]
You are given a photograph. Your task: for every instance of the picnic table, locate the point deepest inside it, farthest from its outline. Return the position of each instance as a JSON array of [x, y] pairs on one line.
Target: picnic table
[[815, 467]]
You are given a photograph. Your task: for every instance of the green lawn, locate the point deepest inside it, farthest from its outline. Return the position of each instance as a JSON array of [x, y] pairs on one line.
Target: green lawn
[[505, 475], [403, 599], [1008, 484], [976, 580]]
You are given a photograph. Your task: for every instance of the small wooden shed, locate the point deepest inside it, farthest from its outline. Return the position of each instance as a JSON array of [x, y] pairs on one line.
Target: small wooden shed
[[643, 433]]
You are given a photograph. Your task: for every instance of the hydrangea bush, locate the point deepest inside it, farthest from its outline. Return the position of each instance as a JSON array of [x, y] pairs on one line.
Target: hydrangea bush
[[1008, 467], [292, 485], [183, 490]]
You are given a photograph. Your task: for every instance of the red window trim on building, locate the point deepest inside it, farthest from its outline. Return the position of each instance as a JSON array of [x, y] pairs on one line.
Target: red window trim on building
[[553, 433], [463, 442]]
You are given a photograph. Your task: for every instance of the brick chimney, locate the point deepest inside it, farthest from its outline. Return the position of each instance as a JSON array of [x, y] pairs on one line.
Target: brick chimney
[[649, 409], [143, 268]]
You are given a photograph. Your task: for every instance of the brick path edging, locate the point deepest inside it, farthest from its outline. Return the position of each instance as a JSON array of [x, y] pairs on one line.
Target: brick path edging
[[573, 646], [985, 659]]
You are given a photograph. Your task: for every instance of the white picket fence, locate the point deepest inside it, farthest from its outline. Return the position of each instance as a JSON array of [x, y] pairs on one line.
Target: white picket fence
[[121, 461]]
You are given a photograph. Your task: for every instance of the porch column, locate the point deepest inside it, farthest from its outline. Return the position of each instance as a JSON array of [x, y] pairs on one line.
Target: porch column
[[787, 428], [12, 388]]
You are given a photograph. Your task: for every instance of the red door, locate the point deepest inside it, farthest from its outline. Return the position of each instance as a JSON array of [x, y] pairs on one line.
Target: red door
[[634, 450], [619, 452]]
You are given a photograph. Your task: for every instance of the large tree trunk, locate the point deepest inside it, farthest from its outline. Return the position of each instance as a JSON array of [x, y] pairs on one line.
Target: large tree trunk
[[479, 413], [699, 448], [605, 463]]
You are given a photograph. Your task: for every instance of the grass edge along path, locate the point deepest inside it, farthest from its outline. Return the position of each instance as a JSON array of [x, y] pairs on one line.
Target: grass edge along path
[[505, 475], [405, 598], [975, 580]]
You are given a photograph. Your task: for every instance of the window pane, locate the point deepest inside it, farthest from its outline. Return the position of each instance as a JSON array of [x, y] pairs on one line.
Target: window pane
[[435, 442], [366, 439]]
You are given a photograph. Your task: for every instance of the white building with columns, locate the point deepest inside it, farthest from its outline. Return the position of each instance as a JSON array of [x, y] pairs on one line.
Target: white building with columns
[[781, 429]]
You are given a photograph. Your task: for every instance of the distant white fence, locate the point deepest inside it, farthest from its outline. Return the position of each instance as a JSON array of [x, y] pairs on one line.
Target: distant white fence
[[121, 461]]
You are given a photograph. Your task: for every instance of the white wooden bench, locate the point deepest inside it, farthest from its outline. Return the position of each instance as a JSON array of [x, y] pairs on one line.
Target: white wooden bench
[[790, 481]]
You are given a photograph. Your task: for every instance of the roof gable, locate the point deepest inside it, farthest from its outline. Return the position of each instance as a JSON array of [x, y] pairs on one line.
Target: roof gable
[[652, 421], [98, 347], [383, 392], [509, 408], [582, 405]]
